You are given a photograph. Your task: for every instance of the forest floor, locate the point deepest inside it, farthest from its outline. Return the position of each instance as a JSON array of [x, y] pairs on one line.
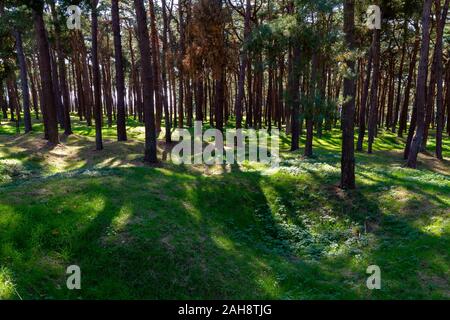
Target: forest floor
[[224, 232]]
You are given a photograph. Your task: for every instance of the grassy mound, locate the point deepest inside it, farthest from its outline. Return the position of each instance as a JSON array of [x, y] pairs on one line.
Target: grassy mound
[[224, 232]]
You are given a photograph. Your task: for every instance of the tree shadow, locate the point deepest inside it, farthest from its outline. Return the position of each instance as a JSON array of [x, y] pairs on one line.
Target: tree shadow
[[180, 232]]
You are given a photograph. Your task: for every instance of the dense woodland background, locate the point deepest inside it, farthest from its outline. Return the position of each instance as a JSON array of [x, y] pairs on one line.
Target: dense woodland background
[[357, 107]]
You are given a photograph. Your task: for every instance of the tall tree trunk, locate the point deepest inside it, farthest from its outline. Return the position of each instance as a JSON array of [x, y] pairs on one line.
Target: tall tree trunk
[[23, 80], [447, 99], [294, 96], [62, 74], [439, 77], [147, 82], [430, 102], [87, 91], [3, 101], [136, 85], [243, 66], [364, 96], [57, 90], [372, 128], [409, 83], [348, 109], [34, 94], [41, 96], [120, 78], [166, 94], [46, 78], [12, 101], [399, 78], [249, 113], [391, 96], [310, 110], [96, 78], [156, 67], [199, 97], [181, 52], [219, 100], [421, 86]]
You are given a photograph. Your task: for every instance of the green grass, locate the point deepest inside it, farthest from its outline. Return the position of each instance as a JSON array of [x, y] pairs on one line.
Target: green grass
[[176, 232]]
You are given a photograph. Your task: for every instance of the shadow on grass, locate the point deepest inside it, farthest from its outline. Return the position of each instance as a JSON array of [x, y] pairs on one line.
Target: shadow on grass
[[177, 233], [169, 232]]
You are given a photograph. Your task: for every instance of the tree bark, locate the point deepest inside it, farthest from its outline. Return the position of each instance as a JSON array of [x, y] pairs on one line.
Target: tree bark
[[399, 78], [348, 109], [243, 66], [62, 74], [409, 83], [23, 81], [373, 112], [3, 101], [96, 78], [120, 78], [439, 78], [46, 78], [363, 108], [147, 82], [421, 86], [294, 96], [167, 119]]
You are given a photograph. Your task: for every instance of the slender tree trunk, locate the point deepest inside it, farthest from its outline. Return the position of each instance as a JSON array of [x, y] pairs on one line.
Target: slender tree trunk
[[34, 94], [243, 66], [348, 109], [87, 91], [439, 78], [421, 86], [62, 75], [374, 91], [399, 78], [41, 97], [11, 98], [447, 99], [219, 100], [181, 53], [96, 78], [199, 98], [249, 113], [294, 96], [136, 84], [147, 82], [23, 81], [167, 119], [391, 96], [46, 78], [430, 102], [3, 101], [409, 83], [365, 94], [120, 78], [57, 90], [156, 67], [310, 110]]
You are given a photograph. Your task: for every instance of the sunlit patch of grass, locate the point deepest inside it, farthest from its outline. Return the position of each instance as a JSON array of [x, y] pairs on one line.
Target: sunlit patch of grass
[[7, 289]]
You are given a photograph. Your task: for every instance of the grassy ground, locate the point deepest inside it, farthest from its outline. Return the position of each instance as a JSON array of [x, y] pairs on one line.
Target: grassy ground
[[222, 232]]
